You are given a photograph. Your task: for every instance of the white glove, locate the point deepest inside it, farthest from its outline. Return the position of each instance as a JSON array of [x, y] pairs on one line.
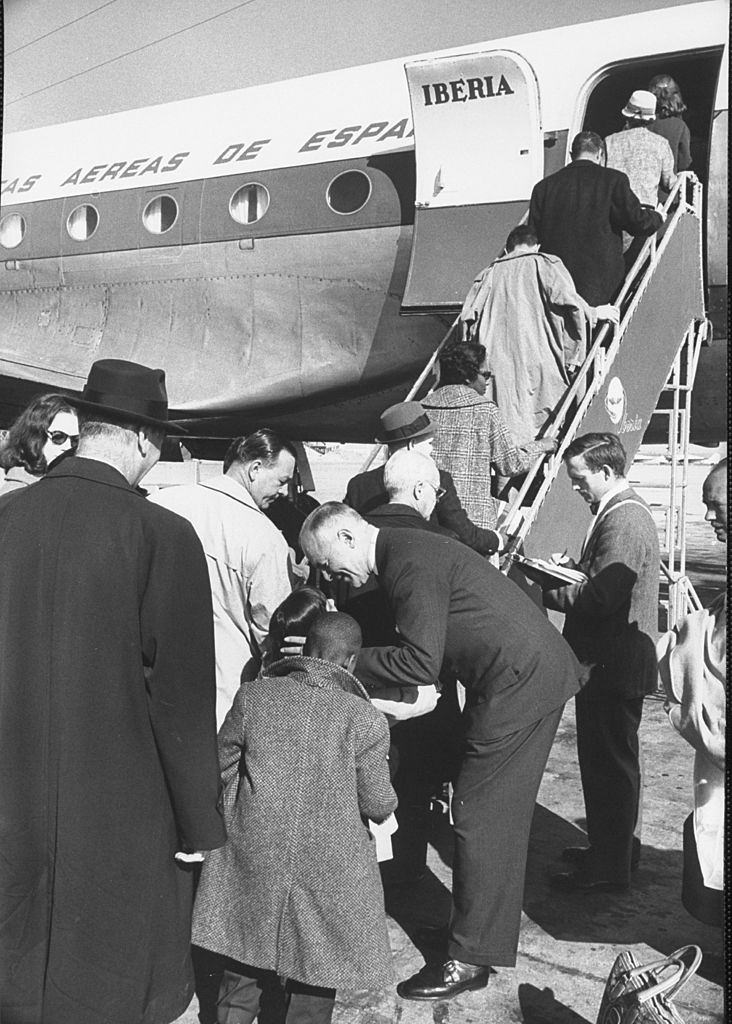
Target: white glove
[[427, 697]]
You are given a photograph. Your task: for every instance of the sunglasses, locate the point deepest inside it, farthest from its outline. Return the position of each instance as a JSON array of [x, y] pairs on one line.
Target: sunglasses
[[60, 437]]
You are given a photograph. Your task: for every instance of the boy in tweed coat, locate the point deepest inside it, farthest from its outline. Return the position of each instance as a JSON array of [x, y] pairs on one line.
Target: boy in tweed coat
[[296, 889]]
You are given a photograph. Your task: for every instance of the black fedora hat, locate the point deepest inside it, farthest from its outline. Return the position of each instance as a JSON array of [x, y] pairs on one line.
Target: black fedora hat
[[128, 391], [405, 421]]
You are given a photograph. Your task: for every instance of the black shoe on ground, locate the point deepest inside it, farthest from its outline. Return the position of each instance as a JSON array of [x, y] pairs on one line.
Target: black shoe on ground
[[443, 981], [581, 880], [578, 855]]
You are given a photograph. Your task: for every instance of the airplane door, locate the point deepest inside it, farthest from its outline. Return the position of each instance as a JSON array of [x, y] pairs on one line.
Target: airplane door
[[479, 151]]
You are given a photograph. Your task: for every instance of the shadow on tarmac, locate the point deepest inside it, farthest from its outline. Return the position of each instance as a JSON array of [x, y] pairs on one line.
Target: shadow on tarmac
[[539, 1006], [648, 913]]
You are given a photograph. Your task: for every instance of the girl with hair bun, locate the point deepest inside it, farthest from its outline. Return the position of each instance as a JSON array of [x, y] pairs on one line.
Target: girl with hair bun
[[293, 618]]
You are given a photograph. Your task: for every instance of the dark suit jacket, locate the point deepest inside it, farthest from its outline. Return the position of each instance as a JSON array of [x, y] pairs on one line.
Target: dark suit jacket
[[579, 214], [612, 619], [451, 605], [368, 605], [396, 515], [366, 492]]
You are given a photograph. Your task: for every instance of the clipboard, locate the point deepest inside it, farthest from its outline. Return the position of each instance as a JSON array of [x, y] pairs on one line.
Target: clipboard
[[552, 575]]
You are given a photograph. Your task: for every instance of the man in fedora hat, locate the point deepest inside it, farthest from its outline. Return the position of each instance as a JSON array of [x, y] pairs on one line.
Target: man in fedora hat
[[644, 156], [579, 214], [107, 727], [407, 425]]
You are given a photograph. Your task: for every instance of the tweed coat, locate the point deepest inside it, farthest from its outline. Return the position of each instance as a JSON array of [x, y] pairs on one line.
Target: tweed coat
[[471, 439], [107, 750], [612, 619], [579, 214], [296, 889]]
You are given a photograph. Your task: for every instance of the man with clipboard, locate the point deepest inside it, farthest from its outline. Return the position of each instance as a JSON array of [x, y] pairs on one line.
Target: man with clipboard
[[611, 624]]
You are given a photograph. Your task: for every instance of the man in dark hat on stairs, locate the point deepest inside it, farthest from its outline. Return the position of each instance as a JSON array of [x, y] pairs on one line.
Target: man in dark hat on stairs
[[407, 425], [107, 726]]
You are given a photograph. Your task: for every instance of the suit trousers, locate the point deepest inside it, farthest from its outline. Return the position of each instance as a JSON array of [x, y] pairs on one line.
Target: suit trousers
[[493, 806], [247, 993], [608, 754]]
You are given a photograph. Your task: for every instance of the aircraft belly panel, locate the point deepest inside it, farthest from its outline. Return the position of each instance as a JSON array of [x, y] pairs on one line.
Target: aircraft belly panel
[[232, 328]]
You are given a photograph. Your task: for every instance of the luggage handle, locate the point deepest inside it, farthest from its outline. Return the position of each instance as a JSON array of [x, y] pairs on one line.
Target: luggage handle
[[652, 969], [691, 970], [672, 984]]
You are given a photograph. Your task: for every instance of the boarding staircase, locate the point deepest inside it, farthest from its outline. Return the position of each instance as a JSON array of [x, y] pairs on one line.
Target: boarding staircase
[[653, 351]]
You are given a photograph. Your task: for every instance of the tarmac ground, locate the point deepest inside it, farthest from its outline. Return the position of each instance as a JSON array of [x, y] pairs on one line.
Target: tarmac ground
[[568, 943]]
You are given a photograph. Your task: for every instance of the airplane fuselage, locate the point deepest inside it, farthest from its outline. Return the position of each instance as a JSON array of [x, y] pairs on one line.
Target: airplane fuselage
[[257, 243]]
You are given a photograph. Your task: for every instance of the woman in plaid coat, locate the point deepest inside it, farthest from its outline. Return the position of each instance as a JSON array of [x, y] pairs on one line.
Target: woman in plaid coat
[[471, 437]]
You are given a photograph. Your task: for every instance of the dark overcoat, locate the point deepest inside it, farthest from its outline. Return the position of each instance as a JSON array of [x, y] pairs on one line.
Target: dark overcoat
[[579, 214], [612, 619], [107, 750], [296, 889]]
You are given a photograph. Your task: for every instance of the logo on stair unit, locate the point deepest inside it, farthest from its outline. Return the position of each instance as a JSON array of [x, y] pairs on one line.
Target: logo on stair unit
[[615, 400]]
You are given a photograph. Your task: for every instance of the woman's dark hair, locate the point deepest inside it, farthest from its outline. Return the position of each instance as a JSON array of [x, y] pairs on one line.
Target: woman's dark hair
[[668, 96], [461, 362], [263, 444], [294, 617], [24, 443]]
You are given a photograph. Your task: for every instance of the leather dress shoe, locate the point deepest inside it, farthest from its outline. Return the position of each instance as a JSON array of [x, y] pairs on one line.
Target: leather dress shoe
[[443, 981], [578, 855], [585, 881]]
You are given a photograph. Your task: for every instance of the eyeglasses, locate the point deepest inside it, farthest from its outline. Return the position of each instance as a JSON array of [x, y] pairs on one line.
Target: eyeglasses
[[440, 492], [60, 437], [485, 374]]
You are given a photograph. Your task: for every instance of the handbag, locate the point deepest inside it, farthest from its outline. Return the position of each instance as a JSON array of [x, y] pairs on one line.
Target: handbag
[[636, 994]]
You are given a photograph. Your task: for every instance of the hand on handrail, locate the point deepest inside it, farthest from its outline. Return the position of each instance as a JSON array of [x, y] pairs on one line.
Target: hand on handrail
[[608, 312]]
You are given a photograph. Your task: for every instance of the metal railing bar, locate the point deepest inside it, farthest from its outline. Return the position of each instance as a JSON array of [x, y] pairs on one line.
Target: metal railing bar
[[598, 361]]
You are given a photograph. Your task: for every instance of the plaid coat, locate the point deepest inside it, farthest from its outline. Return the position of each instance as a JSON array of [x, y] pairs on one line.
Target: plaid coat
[[296, 889], [472, 439]]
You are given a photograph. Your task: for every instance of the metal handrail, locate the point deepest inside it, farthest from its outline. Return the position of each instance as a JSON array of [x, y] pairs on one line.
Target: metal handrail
[[414, 389], [597, 363]]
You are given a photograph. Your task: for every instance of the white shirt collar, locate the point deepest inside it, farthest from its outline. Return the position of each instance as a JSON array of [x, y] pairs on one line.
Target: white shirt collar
[[371, 560], [621, 485]]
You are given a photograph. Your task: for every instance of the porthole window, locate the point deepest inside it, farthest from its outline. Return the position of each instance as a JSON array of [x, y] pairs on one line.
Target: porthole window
[[160, 214], [349, 192], [82, 222], [12, 230], [249, 203]]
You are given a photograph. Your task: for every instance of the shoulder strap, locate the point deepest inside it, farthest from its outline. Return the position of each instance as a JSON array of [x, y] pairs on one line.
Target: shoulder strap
[[606, 512]]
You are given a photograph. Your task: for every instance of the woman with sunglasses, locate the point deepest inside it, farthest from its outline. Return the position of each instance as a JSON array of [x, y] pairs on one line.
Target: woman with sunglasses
[[45, 429]]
